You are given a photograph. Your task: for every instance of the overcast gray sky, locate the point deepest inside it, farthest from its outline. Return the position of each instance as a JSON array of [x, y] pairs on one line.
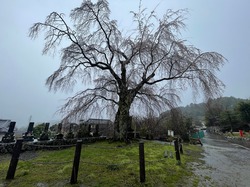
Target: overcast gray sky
[[215, 25]]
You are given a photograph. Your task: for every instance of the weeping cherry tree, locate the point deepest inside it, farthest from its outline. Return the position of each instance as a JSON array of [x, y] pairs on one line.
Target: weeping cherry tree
[[145, 68]]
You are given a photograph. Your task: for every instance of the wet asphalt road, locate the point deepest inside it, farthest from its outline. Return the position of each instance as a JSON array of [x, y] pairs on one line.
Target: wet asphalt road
[[226, 164]]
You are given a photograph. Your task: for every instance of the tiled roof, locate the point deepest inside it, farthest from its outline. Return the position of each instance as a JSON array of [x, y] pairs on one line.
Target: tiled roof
[[98, 121]]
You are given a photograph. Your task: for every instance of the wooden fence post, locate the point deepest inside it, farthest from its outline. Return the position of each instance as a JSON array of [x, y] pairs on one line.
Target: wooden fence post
[[177, 151], [142, 162], [14, 159], [76, 162]]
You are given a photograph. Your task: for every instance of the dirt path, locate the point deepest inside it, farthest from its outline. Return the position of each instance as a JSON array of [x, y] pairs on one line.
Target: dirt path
[[226, 164]]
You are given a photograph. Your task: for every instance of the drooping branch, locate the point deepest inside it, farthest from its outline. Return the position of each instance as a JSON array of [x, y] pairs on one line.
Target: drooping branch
[[149, 67]]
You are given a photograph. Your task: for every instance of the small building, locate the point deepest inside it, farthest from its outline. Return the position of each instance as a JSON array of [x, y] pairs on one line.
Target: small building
[[103, 126]]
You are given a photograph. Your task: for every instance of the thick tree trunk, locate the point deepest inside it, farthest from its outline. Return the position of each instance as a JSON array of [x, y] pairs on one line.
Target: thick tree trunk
[[122, 119]]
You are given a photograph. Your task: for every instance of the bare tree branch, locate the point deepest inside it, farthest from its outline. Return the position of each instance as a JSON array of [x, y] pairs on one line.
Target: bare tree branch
[[149, 68]]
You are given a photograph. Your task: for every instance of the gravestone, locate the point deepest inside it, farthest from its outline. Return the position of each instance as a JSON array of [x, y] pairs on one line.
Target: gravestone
[[28, 136], [45, 136], [83, 131], [70, 134], [96, 132], [59, 135], [12, 127], [9, 136]]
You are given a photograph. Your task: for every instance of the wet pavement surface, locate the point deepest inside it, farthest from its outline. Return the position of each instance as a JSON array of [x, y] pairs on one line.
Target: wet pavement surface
[[226, 164]]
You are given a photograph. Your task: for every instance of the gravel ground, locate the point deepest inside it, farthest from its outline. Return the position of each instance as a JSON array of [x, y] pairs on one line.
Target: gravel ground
[[225, 164]]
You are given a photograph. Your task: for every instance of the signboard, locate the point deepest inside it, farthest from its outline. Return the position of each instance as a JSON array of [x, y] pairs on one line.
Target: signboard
[[170, 133]]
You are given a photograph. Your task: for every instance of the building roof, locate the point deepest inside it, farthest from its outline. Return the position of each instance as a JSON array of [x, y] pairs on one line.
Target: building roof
[[4, 125], [98, 121]]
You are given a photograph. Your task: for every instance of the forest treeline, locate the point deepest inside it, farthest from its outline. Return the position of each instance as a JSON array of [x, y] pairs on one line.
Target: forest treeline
[[227, 113]]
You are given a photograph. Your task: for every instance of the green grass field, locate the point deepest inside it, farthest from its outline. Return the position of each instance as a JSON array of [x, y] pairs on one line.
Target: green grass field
[[103, 164]]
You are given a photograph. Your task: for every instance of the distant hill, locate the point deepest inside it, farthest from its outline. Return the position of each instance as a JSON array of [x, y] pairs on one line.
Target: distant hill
[[197, 111]]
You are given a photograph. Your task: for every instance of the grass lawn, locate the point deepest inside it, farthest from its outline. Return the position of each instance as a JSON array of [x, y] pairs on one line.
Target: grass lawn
[[103, 164]]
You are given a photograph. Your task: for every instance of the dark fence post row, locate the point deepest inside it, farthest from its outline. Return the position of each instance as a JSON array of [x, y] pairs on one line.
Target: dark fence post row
[[14, 159], [75, 168], [16, 154]]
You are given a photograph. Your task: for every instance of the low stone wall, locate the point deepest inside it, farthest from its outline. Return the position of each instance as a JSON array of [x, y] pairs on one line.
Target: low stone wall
[[47, 145], [6, 147]]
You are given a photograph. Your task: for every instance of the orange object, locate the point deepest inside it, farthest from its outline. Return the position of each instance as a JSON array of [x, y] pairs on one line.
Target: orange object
[[241, 133]]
